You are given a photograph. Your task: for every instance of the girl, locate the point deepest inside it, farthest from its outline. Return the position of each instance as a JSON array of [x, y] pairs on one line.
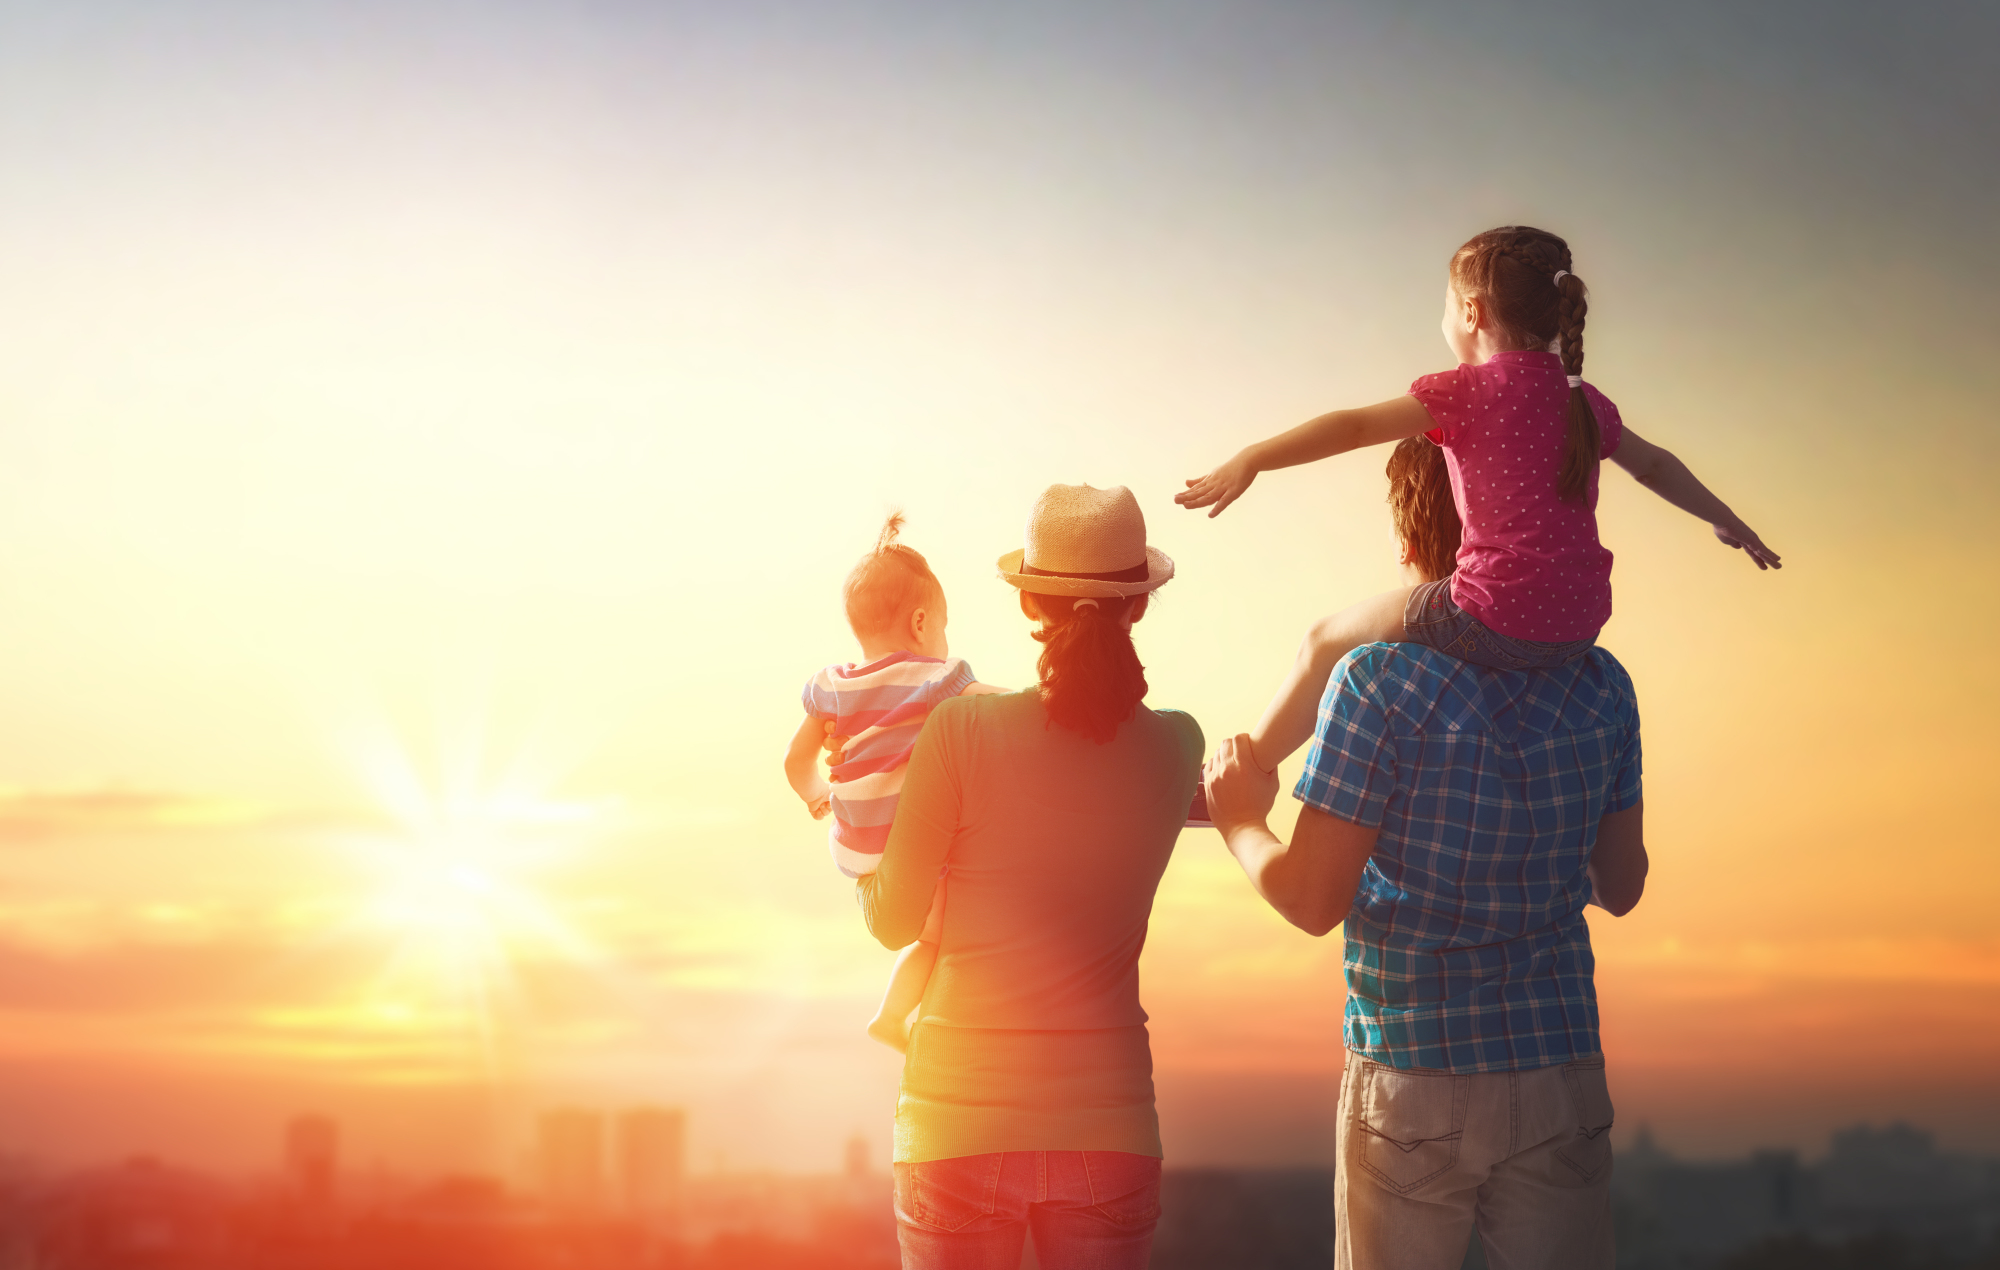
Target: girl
[[1522, 436]]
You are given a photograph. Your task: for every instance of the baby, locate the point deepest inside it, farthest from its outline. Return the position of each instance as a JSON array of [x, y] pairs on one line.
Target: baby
[[896, 609]]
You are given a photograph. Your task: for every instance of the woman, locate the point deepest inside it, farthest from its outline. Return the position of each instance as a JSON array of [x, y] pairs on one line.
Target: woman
[[1027, 1095]]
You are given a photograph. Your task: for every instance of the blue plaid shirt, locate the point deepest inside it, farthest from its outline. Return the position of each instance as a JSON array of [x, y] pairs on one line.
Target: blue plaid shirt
[[1466, 946]]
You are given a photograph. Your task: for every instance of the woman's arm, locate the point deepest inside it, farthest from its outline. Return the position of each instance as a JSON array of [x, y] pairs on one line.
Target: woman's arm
[[896, 897], [1658, 470], [802, 766], [1333, 433]]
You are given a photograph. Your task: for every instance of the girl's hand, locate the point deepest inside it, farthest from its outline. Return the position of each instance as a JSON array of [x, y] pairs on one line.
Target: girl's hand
[[1221, 487], [1742, 537]]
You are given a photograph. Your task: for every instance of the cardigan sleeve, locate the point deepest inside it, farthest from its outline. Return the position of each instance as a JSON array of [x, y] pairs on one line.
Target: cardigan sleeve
[[896, 897]]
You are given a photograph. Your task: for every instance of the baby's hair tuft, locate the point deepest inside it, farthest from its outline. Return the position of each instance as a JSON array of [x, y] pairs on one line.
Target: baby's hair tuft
[[890, 528]]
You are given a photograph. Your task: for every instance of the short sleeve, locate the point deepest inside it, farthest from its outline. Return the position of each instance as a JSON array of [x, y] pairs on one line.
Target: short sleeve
[[1188, 732], [1351, 768], [1610, 424], [956, 677], [819, 699], [1447, 397], [1627, 783]]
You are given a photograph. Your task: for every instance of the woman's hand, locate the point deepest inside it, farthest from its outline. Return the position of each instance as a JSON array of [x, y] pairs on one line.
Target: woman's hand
[[1739, 535], [1239, 791], [1221, 487], [835, 747]]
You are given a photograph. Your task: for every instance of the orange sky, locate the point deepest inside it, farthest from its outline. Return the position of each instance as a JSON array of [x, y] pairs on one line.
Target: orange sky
[[428, 458]]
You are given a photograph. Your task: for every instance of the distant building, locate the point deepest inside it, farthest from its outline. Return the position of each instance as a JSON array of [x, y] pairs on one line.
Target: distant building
[[312, 1158], [571, 1151], [652, 1160], [1673, 1212]]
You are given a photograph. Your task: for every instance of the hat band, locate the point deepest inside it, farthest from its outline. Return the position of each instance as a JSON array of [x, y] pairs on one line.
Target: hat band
[[1137, 573]]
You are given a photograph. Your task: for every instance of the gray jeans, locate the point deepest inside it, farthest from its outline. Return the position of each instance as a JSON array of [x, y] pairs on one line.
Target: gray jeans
[[1426, 1155]]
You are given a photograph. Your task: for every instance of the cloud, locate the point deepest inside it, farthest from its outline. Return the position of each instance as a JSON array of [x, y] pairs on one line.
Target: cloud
[[28, 815]]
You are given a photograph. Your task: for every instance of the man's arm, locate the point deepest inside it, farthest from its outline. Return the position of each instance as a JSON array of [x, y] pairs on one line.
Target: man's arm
[[1312, 879], [1658, 470], [802, 766], [1335, 432], [1618, 863]]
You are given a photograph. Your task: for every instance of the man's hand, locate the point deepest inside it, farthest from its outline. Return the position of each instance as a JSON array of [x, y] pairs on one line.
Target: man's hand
[[1240, 793], [1221, 487], [1739, 535]]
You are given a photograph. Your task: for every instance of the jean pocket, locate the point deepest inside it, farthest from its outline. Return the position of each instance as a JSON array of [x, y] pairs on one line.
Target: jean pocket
[[948, 1194], [1409, 1124], [1586, 1157], [1123, 1186]]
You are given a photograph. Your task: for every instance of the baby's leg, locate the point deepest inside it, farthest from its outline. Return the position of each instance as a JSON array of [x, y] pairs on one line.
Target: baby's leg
[[1289, 720], [891, 1024]]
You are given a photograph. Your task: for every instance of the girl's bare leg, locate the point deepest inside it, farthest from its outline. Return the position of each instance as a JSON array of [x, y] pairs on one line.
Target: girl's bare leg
[[1289, 720], [891, 1024]]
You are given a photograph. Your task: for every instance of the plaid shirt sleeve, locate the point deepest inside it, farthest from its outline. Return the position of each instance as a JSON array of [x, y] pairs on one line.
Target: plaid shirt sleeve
[[1626, 783], [1351, 767]]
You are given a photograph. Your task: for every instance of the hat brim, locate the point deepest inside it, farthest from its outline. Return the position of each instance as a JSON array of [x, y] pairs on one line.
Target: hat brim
[[1159, 567]]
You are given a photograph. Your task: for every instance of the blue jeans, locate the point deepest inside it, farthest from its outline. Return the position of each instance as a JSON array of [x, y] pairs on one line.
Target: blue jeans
[[1432, 618], [1089, 1210]]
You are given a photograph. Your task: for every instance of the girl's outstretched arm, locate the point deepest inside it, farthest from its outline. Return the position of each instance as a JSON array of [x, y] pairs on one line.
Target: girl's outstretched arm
[[1330, 434], [1658, 470]]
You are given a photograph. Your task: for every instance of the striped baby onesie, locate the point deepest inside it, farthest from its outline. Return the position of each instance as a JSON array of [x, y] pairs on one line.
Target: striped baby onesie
[[880, 708]]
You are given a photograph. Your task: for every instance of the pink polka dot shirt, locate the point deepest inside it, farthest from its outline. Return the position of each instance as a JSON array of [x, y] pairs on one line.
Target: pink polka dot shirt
[[1530, 565]]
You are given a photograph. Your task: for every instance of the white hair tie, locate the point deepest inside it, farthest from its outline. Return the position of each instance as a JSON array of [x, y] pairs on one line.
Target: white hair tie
[[1560, 275], [1077, 604], [1576, 381]]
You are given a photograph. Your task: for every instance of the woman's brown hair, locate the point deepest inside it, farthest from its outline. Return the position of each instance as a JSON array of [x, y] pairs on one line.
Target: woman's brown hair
[[1420, 504], [1513, 270], [1091, 677]]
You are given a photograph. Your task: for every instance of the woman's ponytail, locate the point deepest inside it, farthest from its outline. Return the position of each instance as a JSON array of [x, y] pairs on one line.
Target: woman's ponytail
[[1580, 454], [1091, 677]]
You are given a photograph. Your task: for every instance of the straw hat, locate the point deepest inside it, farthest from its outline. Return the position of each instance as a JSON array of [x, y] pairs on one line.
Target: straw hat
[[1084, 541]]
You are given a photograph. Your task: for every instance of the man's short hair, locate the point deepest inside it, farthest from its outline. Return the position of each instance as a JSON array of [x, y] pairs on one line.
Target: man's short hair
[[1420, 504]]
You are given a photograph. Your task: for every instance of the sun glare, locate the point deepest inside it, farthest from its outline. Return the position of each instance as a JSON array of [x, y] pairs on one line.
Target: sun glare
[[454, 891]]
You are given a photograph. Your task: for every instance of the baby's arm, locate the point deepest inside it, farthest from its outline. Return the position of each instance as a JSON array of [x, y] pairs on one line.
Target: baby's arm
[[1324, 437], [977, 689], [1658, 470], [802, 766]]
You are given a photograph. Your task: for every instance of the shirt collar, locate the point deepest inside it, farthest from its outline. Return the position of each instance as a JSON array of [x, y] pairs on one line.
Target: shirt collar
[[1527, 357]]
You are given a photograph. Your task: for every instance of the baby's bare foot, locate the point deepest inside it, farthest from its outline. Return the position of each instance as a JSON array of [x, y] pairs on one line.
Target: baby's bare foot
[[894, 1033]]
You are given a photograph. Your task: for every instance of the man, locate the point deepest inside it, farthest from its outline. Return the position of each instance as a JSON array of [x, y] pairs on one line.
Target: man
[[1458, 819]]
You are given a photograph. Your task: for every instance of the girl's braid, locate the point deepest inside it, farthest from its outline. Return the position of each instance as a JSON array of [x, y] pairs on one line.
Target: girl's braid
[[1544, 255]]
